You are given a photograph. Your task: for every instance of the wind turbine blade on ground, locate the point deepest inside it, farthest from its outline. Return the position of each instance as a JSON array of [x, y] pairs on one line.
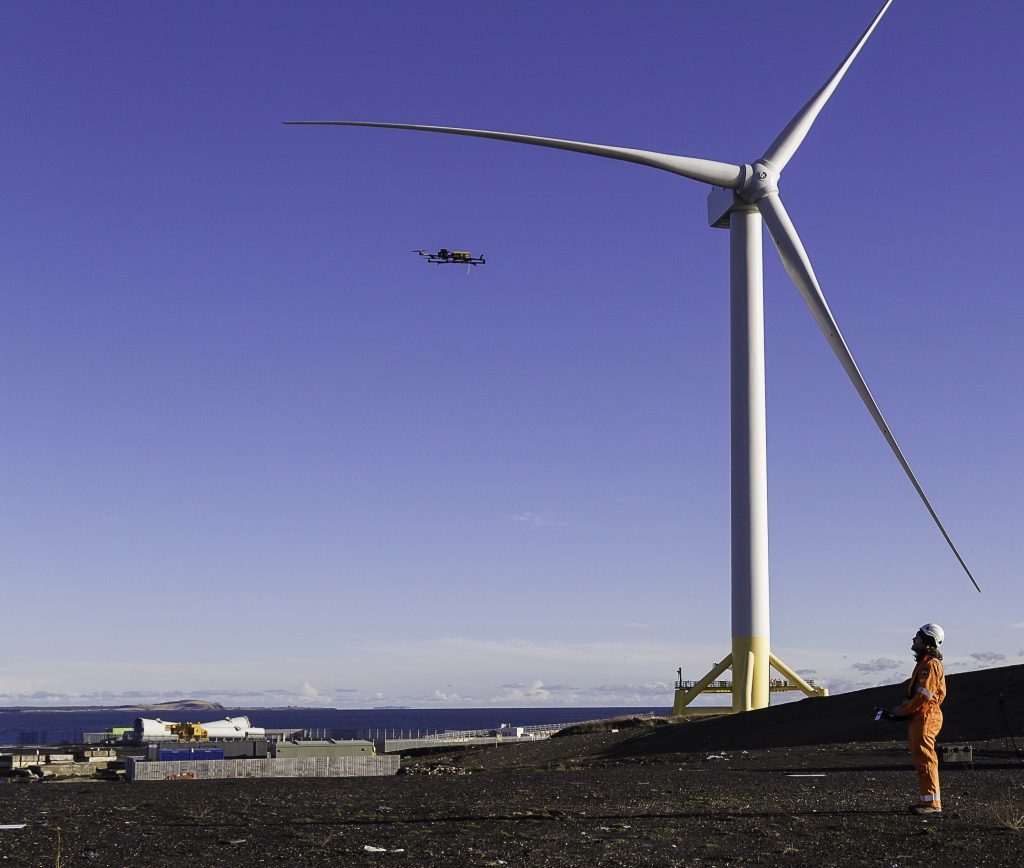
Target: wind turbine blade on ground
[[782, 149], [797, 263], [708, 171]]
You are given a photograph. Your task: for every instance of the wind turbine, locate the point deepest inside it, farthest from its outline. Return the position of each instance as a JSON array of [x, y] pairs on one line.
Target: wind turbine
[[741, 197]]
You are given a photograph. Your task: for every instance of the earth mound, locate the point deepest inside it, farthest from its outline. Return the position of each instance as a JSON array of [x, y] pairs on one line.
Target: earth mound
[[979, 705], [613, 724]]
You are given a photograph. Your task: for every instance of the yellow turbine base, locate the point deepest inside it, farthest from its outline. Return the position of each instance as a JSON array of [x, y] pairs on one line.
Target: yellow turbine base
[[750, 672]]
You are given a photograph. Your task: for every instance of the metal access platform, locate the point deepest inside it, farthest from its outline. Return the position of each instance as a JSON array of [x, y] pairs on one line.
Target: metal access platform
[[775, 685]]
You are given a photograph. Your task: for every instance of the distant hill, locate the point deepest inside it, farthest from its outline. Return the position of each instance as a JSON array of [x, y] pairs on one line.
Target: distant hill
[[971, 711], [175, 706]]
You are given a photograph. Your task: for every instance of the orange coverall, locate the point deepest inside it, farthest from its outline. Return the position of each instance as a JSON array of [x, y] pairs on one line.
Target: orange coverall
[[925, 692]]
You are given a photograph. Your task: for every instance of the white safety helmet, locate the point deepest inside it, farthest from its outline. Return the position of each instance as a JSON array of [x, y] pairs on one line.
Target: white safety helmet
[[933, 632]]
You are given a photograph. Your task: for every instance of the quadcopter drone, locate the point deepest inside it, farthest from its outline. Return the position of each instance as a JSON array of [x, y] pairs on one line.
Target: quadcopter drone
[[451, 257]]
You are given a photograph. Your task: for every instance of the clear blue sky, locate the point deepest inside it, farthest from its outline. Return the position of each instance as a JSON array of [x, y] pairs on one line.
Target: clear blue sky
[[254, 449]]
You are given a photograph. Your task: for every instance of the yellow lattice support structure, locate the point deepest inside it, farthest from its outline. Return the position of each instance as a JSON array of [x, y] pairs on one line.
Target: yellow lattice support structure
[[688, 691]]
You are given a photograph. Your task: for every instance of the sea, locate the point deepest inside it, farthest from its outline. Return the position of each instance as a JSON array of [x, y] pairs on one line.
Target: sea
[[43, 726]]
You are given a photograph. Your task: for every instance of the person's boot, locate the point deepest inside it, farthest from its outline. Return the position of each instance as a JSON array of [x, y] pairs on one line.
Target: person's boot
[[933, 808]]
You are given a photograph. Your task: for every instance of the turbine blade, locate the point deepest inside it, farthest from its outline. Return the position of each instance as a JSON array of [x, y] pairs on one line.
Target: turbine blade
[[795, 259], [707, 171], [782, 149]]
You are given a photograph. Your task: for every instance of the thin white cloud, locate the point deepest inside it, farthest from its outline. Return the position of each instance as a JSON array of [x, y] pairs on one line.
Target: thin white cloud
[[307, 694], [879, 664], [535, 692], [445, 696], [538, 519], [630, 668], [654, 690], [551, 688], [538, 692], [590, 653], [845, 685]]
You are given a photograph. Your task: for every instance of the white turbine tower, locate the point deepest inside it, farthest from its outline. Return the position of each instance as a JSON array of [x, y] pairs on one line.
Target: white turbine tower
[[740, 198]]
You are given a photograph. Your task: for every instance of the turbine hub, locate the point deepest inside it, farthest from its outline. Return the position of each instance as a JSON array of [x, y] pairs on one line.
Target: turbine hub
[[759, 180], [756, 181]]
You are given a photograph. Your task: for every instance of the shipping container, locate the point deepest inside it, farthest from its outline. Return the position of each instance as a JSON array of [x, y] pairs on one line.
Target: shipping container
[[190, 753], [329, 748]]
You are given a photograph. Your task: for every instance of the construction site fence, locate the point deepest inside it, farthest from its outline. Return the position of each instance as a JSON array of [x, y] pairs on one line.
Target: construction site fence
[[290, 767], [534, 731]]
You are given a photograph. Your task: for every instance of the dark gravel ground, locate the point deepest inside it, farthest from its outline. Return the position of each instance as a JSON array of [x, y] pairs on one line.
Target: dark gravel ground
[[578, 800]]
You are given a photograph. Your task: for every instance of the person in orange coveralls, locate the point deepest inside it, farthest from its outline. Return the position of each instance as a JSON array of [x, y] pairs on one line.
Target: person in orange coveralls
[[925, 692]]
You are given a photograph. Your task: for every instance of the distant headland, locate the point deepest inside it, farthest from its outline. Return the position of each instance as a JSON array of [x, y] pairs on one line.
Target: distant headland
[[176, 705]]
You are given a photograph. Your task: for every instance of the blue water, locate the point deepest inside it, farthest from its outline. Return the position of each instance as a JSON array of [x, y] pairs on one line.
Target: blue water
[[56, 727]]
